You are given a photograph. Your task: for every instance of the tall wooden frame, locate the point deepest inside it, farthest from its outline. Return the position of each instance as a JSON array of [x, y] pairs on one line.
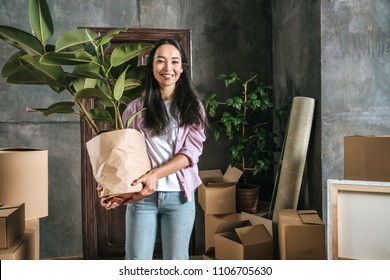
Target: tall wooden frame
[[358, 211], [99, 224]]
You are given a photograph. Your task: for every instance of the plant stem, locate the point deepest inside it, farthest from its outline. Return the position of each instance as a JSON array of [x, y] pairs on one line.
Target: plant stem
[[84, 111], [90, 121], [245, 107]]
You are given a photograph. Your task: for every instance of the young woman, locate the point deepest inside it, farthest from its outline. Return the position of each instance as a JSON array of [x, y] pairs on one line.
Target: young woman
[[174, 125]]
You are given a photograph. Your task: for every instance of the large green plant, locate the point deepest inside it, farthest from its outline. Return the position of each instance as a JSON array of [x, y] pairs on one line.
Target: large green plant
[[114, 80], [245, 117]]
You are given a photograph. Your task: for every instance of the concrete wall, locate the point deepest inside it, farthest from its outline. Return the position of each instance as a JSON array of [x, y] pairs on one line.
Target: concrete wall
[[227, 35], [355, 71], [297, 72], [337, 52]]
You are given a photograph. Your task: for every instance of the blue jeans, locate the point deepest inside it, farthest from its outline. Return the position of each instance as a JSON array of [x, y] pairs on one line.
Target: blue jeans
[[176, 216]]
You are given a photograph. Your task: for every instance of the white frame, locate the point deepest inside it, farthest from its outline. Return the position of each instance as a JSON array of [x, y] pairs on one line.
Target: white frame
[[378, 213]]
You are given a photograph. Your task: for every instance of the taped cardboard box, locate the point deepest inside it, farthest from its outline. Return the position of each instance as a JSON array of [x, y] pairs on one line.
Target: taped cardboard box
[[12, 224], [367, 158], [243, 241], [217, 193], [301, 235]]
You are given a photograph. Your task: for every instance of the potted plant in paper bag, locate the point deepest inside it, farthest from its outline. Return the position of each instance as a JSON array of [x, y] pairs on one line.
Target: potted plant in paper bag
[[243, 117], [113, 80]]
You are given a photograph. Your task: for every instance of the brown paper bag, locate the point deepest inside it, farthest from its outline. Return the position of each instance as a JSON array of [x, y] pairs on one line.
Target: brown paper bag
[[118, 158]]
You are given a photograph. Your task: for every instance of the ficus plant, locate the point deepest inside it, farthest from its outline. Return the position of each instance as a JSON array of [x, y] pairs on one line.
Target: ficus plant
[[79, 64], [245, 118]]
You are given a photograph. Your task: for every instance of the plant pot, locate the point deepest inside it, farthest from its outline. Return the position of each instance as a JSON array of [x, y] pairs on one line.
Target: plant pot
[[247, 199], [118, 158]]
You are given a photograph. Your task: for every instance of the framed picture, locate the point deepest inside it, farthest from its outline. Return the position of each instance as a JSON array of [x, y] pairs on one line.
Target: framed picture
[[358, 220]]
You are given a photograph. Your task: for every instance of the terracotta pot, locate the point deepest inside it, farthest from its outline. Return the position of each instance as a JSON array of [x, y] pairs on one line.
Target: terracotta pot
[[247, 199]]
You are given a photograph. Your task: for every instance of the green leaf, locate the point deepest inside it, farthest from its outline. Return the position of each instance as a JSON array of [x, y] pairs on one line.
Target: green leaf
[[90, 70], [21, 40], [23, 76], [138, 72], [104, 88], [40, 20], [216, 134], [107, 103], [132, 117], [89, 93], [74, 40], [131, 83], [66, 58], [107, 37], [125, 52], [130, 95], [120, 85], [12, 65], [65, 107], [50, 75], [102, 115], [85, 76], [229, 79], [117, 71]]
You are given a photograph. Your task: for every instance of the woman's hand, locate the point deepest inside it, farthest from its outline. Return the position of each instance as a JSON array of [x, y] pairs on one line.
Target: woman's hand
[[107, 203], [149, 182]]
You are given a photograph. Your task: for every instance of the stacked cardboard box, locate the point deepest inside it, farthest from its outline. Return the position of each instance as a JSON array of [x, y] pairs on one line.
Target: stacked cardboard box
[[11, 224], [24, 180], [217, 197], [248, 236], [18, 238]]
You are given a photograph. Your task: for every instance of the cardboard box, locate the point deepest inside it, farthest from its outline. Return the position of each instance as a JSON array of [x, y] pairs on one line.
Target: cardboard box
[[22, 249], [301, 235], [12, 224], [243, 241], [32, 239], [212, 222], [367, 158], [24, 179], [209, 254], [17, 251], [217, 194]]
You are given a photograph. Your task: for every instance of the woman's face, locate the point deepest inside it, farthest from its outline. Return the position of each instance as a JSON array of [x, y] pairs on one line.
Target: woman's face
[[167, 66]]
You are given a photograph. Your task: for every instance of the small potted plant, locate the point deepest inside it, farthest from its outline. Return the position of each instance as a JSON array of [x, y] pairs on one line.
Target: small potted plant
[[245, 118], [90, 73]]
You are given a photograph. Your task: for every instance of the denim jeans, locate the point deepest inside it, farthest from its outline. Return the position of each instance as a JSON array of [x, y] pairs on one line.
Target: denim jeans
[[176, 216]]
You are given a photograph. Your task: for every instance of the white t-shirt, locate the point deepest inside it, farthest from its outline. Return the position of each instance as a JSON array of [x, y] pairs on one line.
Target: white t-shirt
[[162, 147]]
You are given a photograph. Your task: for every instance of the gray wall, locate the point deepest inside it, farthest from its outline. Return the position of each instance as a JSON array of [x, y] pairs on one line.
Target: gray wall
[[227, 35], [297, 72], [355, 71], [337, 52]]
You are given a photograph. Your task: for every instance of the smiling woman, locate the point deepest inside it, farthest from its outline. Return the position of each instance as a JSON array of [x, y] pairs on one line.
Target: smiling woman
[[110, 240], [173, 124]]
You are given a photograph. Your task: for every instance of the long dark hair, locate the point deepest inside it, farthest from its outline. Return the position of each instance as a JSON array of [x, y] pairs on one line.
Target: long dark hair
[[186, 106]]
